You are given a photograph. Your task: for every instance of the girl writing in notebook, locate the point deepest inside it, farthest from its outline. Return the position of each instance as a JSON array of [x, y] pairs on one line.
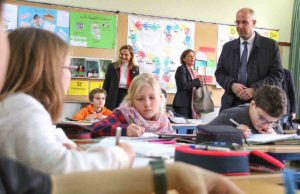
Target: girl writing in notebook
[[32, 99], [140, 112]]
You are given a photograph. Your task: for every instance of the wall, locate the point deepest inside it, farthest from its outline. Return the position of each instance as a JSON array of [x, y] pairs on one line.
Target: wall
[[215, 11], [274, 14]]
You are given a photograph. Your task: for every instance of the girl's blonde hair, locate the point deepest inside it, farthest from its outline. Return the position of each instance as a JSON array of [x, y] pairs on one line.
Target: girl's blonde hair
[[140, 81], [35, 67]]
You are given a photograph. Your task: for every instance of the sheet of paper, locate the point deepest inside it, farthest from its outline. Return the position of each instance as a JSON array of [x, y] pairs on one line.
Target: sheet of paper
[[268, 138]]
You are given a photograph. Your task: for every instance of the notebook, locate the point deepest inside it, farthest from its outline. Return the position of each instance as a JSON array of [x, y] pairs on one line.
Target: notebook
[[270, 138]]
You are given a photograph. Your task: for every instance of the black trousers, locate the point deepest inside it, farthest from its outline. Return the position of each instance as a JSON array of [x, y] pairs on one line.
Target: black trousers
[[122, 92]]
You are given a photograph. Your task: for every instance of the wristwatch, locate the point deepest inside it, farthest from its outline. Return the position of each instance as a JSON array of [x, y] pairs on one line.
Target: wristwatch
[[159, 176]]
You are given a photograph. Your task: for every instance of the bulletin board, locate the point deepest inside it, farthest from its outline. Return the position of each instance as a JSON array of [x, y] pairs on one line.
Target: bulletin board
[[206, 37]]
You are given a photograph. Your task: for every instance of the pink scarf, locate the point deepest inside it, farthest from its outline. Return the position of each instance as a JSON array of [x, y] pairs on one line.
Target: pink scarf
[[160, 124], [194, 114]]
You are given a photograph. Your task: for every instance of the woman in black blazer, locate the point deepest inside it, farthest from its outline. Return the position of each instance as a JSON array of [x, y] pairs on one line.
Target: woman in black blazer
[[186, 82], [118, 77]]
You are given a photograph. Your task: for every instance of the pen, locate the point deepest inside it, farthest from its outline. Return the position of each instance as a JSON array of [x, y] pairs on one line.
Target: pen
[[234, 122], [118, 134], [237, 124], [131, 119], [209, 147]]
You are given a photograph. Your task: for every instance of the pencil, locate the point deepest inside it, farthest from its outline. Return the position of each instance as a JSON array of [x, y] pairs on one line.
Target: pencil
[[234, 122], [118, 135], [237, 124], [131, 119]]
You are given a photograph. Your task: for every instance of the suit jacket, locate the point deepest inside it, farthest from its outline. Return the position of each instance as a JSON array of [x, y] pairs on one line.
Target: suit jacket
[[111, 83], [289, 88], [264, 67], [185, 84]]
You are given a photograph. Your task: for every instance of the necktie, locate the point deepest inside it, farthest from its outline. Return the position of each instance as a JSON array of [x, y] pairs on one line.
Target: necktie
[[243, 67]]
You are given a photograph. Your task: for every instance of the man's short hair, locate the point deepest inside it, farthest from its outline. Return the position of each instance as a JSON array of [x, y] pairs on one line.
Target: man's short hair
[[95, 91], [271, 99]]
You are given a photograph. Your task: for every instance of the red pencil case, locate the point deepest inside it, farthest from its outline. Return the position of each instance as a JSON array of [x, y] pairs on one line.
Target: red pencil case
[[229, 163]]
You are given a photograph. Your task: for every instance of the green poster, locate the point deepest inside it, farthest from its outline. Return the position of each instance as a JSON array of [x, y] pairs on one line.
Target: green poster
[[92, 30]]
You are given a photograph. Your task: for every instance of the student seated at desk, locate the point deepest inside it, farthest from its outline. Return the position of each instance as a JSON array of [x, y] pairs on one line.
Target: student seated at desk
[[140, 111], [32, 99], [95, 110], [260, 116]]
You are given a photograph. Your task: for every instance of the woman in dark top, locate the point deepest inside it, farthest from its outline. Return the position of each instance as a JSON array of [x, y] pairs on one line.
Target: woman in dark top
[[118, 77], [186, 82]]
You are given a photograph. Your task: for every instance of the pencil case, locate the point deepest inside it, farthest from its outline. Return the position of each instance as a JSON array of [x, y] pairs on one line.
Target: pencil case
[[219, 133], [74, 131], [229, 163]]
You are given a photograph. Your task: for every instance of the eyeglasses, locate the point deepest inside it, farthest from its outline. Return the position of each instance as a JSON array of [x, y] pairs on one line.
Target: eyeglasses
[[263, 121]]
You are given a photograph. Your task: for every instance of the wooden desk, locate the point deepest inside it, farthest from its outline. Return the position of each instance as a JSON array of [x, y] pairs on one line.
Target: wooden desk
[[280, 152], [258, 184]]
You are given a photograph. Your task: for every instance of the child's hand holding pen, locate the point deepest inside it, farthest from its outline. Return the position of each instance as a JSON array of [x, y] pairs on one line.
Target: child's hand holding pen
[[133, 130], [125, 146], [246, 130]]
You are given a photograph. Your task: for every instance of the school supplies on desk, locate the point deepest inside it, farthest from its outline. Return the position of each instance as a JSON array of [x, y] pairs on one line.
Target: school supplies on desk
[[219, 133], [118, 135], [227, 162]]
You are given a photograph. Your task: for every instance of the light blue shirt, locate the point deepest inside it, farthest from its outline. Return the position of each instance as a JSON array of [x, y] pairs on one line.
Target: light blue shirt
[[249, 45]]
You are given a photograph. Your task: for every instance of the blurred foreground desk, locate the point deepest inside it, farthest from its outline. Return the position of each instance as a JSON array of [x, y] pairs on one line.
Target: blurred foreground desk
[[261, 184], [258, 184], [280, 152]]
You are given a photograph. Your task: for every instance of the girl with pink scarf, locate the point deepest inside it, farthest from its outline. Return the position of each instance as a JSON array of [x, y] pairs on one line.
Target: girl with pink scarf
[[140, 111]]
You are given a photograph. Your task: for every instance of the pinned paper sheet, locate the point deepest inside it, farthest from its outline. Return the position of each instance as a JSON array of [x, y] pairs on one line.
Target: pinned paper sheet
[[201, 56], [79, 87]]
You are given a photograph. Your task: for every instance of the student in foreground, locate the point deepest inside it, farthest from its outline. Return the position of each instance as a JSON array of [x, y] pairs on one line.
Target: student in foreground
[[95, 110], [18, 179], [260, 116], [184, 178], [140, 111], [32, 99]]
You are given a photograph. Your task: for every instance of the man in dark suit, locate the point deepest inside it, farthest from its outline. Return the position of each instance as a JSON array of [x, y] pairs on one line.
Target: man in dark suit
[[247, 62]]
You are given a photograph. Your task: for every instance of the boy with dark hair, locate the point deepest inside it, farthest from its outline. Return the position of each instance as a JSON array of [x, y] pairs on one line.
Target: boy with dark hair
[[95, 110], [260, 116]]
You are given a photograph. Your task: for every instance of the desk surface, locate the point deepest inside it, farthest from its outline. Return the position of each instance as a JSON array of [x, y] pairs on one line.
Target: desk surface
[[258, 184], [275, 148]]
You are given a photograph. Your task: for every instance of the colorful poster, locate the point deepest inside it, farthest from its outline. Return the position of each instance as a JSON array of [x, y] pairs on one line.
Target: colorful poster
[[93, 30], [227, 33], [55, 21], [158, 44], [79, 88], [10, 17]]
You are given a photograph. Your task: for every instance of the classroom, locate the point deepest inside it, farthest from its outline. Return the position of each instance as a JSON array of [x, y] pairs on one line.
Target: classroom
[[158, 34]]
